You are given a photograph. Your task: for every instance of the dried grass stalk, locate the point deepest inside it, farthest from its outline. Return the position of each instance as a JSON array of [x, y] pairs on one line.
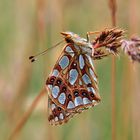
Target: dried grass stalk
[[107, 42]]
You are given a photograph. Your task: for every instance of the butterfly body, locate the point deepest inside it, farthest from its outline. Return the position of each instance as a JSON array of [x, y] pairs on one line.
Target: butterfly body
[[76, 39]]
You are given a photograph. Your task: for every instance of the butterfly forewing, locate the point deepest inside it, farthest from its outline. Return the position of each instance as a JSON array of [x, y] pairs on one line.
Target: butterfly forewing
[[57, 82], [72, 85]]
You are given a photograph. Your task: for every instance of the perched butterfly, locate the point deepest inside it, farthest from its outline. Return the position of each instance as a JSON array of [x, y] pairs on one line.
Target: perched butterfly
[[72, 85]]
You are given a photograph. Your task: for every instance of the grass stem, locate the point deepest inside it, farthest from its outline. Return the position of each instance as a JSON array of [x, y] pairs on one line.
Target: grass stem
[[113, 9]]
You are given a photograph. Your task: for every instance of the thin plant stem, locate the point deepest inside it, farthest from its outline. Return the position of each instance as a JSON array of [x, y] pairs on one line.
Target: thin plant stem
[[113, 9], [113, 97], [27, 114], [134, 95]]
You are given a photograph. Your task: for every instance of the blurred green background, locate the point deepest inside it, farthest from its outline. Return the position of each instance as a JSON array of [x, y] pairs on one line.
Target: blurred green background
[[30, 26]]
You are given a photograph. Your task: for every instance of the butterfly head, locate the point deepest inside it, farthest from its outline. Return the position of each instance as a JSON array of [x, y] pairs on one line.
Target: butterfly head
[[69, 36]]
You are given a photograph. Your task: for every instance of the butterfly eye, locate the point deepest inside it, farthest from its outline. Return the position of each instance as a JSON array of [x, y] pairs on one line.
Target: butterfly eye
[[76, 93]]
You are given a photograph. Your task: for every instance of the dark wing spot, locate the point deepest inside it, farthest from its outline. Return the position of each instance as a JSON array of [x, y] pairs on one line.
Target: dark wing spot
[[92, 95], [59, 82], [64, 89], [76, 93], [69, 96]]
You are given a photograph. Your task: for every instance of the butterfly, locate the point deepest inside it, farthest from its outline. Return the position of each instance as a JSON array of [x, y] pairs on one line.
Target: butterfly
[[72, 84]]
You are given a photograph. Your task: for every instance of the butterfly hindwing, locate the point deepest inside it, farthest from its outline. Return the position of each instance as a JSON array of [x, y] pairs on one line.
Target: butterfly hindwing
[[57, 115]]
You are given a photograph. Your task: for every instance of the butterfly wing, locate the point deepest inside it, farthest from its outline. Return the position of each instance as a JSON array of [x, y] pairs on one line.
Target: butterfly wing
[[72, 85]]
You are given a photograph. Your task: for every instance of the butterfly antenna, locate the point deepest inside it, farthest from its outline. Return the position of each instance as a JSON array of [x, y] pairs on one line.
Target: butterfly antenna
[[34, 57]]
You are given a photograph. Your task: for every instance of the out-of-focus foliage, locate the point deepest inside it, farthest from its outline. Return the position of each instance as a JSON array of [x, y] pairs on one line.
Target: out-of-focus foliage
[[30, 26]]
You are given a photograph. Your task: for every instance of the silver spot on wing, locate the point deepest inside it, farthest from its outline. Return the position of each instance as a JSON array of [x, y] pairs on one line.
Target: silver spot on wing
[[69, 50], [73, 74], [64, 62], [53, 106], [80, 82], [86, 101], [91, 89], [56, 119], [62, 98], [94, 102], [70, 105], [86, 79], [55, 72], [61, 117], [92, 74], [55, 91], [81, 62], [78, 101], [90, 60], [50, 87]]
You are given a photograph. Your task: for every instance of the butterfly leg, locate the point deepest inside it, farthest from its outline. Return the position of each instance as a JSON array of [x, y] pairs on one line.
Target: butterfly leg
[[91, 33], [88, 38]]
